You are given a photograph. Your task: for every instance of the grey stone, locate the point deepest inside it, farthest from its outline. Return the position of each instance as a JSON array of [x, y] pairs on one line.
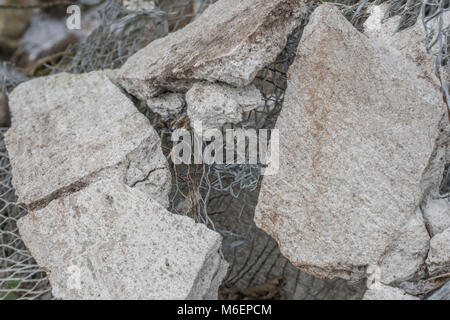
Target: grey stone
[[213, 104], [443, 293], [71, 130], [357, 136], [123, 245], [167, 105], [407, 253], [230, 42], [379, 291], [436, 212], [438, 260]]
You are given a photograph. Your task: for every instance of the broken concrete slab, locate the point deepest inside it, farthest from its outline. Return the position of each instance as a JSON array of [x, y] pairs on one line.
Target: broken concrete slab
[[436, 212], [357, 135], [438, 260], [212, 104], [71, 130], [166, 105], [230, 42], [379, 291], [121, 244]]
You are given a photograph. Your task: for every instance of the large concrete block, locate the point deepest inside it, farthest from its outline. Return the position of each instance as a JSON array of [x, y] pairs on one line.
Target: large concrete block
[[71, 130], [110, 241], [359, 128]]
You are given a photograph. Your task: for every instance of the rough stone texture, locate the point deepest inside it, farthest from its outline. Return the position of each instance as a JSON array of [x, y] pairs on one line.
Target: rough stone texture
[[214, 104], [438, 260], [167, 104], [358, 130], [230, 42], [71, 130], [443, 293], [125, 246], [407, 253], [379, 291], [436, 212]]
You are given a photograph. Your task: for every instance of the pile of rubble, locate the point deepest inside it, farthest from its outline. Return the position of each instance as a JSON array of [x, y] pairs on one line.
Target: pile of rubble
[[89, 166], [363, 145]]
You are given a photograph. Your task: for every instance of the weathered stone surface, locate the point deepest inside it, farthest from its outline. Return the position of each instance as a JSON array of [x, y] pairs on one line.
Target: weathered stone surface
[[407, 253], [358, 129], [230, 42], [124, 245], [167, 104], [436, 212], [443, 293], [213, 104], [71, 130], [379, 291], [438, 260]]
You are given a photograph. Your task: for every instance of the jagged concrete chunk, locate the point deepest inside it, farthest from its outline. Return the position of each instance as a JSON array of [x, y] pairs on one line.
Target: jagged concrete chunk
[[230, 42], [379, 291], [212, 105], [358, 130], [436, 212], [70, 130], [167, 104], [438, 260], [121, 244]]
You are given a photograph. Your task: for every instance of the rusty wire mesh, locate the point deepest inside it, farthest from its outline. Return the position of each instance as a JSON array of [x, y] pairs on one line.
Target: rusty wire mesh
[[221, 196]]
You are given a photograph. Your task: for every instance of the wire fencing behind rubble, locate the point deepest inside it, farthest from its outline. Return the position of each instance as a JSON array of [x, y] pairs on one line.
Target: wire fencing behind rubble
[[221, 196]]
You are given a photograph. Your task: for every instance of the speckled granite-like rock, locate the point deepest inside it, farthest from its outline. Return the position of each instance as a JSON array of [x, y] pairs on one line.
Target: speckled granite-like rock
[[166, 105], [123, 245], [436, 212], [379, 291], [230, 42], [213, 104], [438, 260], [71, 130], [358, 130]]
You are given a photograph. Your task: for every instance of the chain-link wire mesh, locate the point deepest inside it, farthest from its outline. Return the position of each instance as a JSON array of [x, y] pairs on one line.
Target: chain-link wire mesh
[[221, 196]]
